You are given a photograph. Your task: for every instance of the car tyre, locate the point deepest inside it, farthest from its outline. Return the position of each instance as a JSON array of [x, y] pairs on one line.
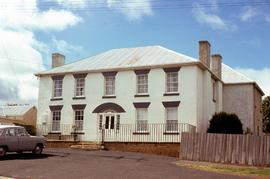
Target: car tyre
[[3, 151], [37, 150]]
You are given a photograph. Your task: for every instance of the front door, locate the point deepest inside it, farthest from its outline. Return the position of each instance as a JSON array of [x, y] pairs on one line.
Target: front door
[[109, 121]]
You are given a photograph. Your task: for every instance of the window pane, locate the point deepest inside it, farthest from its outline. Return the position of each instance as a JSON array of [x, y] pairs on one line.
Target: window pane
[[79, 119], [109, 85], [172, 82], [80, 86], [141, 121], [172, 119], [142, 83], [57, 89], [56, 117]]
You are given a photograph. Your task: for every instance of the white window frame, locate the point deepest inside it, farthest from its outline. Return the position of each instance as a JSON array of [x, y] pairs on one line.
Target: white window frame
[[170, 88], [56, 120], [142, 83], [111, 86], [142, 123], [57, 90], [171, 125], [79, 119], [79, 87]]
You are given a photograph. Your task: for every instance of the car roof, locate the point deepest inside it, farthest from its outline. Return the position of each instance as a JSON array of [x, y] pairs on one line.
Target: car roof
[[9, 126]]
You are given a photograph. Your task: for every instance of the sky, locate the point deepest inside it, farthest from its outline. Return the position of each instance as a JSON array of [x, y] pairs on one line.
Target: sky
[[30, 31]]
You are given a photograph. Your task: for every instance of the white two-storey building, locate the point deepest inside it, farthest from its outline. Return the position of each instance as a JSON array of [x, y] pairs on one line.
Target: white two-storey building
[[132, 92]]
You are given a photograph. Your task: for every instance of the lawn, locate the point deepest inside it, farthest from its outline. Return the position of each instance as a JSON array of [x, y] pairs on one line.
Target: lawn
[[228, 169]]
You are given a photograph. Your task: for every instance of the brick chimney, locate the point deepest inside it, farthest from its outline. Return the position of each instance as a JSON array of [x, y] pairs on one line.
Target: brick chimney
[[57, 60], [216, 64], [204, 52]]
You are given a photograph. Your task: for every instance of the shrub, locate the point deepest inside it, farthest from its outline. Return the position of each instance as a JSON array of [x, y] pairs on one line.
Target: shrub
[[225, 123]]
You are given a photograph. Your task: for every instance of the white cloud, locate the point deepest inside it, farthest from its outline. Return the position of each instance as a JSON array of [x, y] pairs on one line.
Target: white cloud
[[247, 14], [64, 47], [134, 10], [262, 77], [18, 61], [208, 18], [20, 52], [20, 14]]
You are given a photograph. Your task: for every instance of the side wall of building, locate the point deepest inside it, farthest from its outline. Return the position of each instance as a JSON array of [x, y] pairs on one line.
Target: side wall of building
[[206, 106], [239, 99]]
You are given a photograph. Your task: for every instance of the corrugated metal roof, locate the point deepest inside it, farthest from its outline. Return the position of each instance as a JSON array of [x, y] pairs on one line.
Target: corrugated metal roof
[[14, 110], [230, 75], [139, 57], [124, 58]]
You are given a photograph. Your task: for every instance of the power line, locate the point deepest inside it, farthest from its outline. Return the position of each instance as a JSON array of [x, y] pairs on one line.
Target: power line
[[160, 6]]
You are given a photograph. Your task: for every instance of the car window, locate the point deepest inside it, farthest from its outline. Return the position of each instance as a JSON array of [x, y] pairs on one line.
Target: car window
[[1, 132], [22, 132], [10, 132]]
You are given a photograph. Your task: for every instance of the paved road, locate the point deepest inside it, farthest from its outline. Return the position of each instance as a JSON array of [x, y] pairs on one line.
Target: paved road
[[67, 163]]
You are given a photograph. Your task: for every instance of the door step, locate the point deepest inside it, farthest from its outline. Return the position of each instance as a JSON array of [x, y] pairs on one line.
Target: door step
[[87, 146]]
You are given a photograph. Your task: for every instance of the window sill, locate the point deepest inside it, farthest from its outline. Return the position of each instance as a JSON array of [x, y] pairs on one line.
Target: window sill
[[54, 132], [78, 97], [141, 95], [171, 133], [104, 97], [79, 132], [56, 99], [141, 133], [171, 94]]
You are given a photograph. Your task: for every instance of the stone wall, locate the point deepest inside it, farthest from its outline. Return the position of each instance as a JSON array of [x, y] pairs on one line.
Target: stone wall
[[167, 149]]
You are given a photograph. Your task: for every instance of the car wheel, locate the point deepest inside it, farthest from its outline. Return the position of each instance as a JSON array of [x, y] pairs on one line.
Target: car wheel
[[2, 151], [37, 150]]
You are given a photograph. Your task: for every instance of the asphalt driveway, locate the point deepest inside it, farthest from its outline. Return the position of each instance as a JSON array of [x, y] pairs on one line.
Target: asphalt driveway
[[67, 163]]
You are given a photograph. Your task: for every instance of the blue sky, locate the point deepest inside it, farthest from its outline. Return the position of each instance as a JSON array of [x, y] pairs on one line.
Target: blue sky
[[238, 29]]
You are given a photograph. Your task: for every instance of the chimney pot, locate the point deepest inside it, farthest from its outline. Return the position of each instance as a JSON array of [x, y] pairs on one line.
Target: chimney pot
[[58, 60], [216, 64], [204, 52]]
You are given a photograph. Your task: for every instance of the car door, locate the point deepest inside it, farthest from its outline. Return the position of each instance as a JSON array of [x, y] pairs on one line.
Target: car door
[[25, 141], [11, 139]]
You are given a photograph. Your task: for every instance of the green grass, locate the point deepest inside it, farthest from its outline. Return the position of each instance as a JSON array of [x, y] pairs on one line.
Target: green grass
[[229, 169]]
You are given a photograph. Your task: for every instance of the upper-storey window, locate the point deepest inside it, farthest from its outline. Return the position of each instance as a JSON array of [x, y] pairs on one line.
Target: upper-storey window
[[142, 83], [57, 86], [171, 80], [80, 82], [79, 85], [109, 83]]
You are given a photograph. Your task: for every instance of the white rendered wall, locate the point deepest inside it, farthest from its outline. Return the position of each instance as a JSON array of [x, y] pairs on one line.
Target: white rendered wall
[[192, 100]]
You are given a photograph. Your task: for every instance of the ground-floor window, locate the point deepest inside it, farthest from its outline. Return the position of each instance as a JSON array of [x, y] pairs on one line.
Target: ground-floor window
[[79, 119], [171, 119], [141, 119], [56, 118]]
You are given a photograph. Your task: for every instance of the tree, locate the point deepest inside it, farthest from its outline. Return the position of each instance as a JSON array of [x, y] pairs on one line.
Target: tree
[[225, 123], [266, 114]]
